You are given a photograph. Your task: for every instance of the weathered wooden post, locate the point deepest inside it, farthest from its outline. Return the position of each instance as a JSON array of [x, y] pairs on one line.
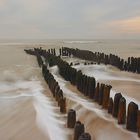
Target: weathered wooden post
[[57, 88], [106, 95], [110, 106], [60, 52], [96, 95], [54, 87], [91, 89], [63, 105], [132, 117], [101, 90], [78, 130], [57, 95], [87, 86], [71, 119], [138, 122], [85, 136], [60, 97], [84, 85], [78, 79], [117, 98], [122, 111]]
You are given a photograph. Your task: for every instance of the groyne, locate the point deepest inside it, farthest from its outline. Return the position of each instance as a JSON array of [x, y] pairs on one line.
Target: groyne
[[132, 64], [88, 86]]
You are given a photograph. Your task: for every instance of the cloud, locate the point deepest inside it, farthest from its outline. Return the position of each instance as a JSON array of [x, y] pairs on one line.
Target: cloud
[[68, 18], [130, 25]]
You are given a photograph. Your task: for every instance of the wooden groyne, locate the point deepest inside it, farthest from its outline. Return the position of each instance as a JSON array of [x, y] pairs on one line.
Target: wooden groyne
[[79, 128], [57, 93], [132, 64], [49, 78], [88, 86]]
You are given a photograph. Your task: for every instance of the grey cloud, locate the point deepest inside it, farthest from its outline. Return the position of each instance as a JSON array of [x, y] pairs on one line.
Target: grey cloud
[[64, 18]]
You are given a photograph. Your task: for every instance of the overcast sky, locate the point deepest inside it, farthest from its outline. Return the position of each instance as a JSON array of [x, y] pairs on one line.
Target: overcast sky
[[89, 19]]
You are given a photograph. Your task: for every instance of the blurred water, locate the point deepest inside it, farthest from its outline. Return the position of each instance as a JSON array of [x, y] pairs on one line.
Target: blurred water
[[19, 72]]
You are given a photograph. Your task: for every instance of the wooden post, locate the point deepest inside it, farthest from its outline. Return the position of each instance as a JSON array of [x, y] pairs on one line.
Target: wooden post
[[63, 105], [116, 104], [110, 105], [106, 95], [71, 119], [101, 90], [122, 111], [85, 136], [78, 130], [96, 95], [138, 122], [132, 117]]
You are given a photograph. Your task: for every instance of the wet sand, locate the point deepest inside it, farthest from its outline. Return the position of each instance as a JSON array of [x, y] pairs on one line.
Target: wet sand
[[131, 89], [124, 82], [18, 120], [97, 121], [17, 113], [21, 119]]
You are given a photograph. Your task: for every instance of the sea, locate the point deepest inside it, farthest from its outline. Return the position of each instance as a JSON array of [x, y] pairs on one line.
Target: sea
[[21, 82]]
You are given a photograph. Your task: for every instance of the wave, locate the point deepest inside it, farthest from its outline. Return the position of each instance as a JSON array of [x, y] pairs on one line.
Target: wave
[[19, 73], [101, 72], [81, 42], [46, 118], [96, 119]]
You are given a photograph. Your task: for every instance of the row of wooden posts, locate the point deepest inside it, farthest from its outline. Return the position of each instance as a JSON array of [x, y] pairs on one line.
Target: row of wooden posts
[[132, 64], [79, 129], [55, 88], [49, 78], [99, 93]]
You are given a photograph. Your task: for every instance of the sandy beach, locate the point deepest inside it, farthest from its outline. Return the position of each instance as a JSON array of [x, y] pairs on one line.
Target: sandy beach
[[28, 110], [18, 120], [96, 119]]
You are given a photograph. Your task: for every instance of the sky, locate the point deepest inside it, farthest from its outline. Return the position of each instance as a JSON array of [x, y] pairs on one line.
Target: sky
[[69, 19]]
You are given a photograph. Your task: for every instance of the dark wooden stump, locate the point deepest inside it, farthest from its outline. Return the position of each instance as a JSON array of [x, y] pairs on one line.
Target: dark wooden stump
[[78, 130], [71, 119], [132, 117], [63, 105], [122, 111], [106, 95], [117, 98], [91, 89], [101, 90], [110, 106], [60, 97], [85, 136], [56, 90], [96, 95], [138, 122]]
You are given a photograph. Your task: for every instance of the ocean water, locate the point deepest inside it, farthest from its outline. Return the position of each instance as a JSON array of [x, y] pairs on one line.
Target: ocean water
[[17, 66], [20, 77]]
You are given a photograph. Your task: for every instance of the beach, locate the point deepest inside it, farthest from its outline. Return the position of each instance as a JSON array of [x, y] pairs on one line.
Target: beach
[[28, 110]]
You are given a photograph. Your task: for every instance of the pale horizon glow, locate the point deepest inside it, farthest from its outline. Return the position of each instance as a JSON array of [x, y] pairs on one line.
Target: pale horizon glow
[[86, 19]]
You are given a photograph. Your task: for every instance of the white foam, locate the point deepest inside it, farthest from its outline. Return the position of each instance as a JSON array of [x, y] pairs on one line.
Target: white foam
[[90, 105], [128, 99], [100, 72], [46, 118], [81, 42], [74, 97]]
